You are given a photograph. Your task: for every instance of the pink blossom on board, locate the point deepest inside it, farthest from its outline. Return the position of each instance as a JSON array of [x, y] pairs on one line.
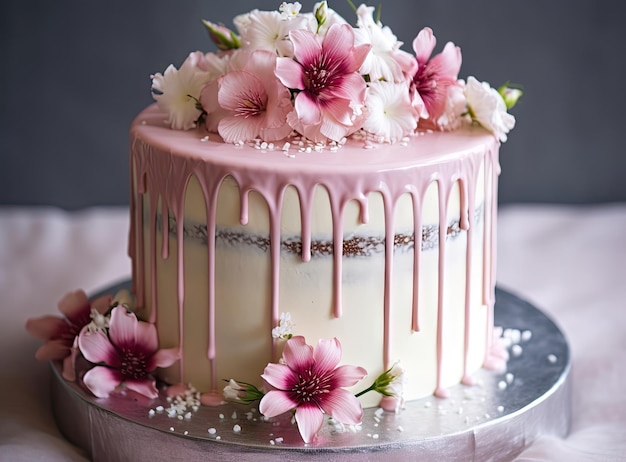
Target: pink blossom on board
[[330, 90], [59, 333], [128, 355], [434, 75], [309, 381]]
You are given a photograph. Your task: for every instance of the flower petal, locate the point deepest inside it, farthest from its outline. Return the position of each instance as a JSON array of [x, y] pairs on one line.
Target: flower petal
[[96, 348], [236, 86], [279, 376], [306, 47], [297, 354], [101, 381], [340, 110], [146, 337], [343, 406], [165, 357], [123, 328], [290, 73], [352, 88], [309, 419], [424, 44], [307, 109], [234, 129], [327, 355], [448, 62], [331, 129], [145, 387], [69, 369], [102, 304], [275, 403], [339, 43], [346, 375], [46, 327], [74, 303], [53, 349]]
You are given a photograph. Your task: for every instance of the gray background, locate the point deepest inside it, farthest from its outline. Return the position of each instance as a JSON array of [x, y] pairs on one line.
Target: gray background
[[75, 73]]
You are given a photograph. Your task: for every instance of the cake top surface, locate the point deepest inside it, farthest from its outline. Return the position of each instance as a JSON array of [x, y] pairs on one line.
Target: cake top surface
[[297, 153], [313, 74]]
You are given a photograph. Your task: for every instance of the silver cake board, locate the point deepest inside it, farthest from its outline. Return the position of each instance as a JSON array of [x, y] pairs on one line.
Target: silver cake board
[[492, 420]]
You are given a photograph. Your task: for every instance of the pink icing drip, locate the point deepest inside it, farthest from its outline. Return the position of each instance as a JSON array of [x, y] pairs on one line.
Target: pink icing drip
[[490, 263], [389, 206], [417, 252], [468, 279], [306, 209], [444, 194], [210, 182], [337, 213], [343, 185]]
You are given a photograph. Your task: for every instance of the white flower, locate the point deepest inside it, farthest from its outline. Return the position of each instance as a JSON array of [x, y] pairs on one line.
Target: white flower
[[284, 328], [177, 91], [398, 381], [385, 61], [390, 115], [487, 107], [455, 112], [269, 30], [289, 10]]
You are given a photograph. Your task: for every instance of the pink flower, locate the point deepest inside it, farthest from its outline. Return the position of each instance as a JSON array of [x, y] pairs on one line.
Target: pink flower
[[256, 101], [332, 92], [129, 353], [60, 332], [430, 83], [310, 382]]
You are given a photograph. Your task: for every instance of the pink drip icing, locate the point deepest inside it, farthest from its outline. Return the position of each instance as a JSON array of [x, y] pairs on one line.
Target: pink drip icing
[[152, 152], [468, 279], [443, 194], [337, 212], [389, 206], [210, 182], [306, 208], [417, 252]]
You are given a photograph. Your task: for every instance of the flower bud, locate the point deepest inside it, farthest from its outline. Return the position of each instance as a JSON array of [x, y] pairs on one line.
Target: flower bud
[[510, 95], [222, 36], [241, 392], [321, 14]]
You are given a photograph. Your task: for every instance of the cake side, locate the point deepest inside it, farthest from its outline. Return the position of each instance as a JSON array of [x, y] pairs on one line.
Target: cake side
[[334, 248]]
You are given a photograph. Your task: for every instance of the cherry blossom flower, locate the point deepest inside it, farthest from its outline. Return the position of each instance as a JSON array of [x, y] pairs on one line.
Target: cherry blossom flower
[[331, 91], [128, 354], [487, 107], [60, 332], [390, 115], [177, 91], [434, 75], [256, 101], [310, 382], [386, 61]]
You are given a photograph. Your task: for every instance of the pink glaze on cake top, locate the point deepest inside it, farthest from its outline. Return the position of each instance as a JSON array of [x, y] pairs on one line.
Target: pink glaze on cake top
[[164, 160]]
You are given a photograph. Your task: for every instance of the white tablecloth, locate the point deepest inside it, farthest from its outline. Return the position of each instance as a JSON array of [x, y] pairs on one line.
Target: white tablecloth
[[570, 261]]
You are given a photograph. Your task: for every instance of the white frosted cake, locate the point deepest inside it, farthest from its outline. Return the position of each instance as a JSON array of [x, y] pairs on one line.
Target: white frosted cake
[[312, 182]]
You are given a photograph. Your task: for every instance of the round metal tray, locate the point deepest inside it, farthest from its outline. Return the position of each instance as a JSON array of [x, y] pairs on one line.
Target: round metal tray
[[492, 420]]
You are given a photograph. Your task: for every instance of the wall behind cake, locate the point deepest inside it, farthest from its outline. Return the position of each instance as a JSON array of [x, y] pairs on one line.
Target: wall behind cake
[[75, 73]]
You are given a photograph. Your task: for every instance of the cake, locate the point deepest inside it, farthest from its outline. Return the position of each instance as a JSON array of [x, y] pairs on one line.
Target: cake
[[309, 182]]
